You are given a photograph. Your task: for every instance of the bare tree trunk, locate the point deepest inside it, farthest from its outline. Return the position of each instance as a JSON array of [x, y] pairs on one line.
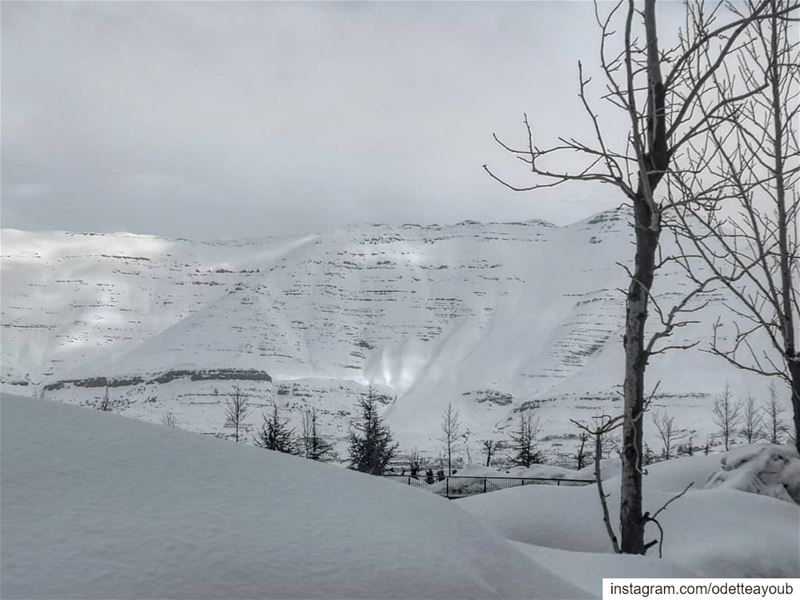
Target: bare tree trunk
[[653, 162], [794, 371], [785, 251], [598, 476], [631, 523], [451, 429]]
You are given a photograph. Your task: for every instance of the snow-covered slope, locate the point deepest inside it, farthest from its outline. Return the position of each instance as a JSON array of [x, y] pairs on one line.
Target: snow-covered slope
[[97, 506], [492, 317]]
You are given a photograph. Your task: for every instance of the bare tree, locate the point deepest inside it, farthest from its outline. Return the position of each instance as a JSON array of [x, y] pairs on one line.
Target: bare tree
[[489, 449], [727, 416], [466, 435], [611, 444], [773, 412], [236, 411], [753, 247], [667, 431], [751, 420], [659, 92], [451, 429], [581, 454], [523, 441], [602, 425], [169, 419]]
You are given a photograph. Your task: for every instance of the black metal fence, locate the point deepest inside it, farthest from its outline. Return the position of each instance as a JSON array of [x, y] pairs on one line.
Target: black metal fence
[[456, 486]]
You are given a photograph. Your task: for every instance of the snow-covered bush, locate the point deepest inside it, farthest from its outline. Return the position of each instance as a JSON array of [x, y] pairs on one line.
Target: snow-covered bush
[[766, 469]]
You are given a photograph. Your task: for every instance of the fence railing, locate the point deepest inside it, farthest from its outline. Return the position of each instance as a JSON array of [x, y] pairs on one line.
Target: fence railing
[[456, 486]]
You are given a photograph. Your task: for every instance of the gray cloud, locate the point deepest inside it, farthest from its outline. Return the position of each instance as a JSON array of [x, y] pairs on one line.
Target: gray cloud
[[246, 119]]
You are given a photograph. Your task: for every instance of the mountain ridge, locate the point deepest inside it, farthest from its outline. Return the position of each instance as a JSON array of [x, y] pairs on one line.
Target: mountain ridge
[[494, 317]]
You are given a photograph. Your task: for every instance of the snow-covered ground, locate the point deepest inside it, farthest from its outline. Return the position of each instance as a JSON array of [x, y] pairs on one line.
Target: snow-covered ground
[[98, 506]]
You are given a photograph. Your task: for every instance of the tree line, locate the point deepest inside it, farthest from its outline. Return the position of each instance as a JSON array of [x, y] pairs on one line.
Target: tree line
[[371, 444]]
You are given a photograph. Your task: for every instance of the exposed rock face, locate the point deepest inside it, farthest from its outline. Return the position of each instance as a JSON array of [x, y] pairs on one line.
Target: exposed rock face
[[493, 317]]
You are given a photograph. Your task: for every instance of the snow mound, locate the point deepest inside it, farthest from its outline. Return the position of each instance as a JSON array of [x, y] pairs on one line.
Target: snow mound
[[713, 532], [769, 470], [609, 468], [98, 506], [675, 474], [587, 569]]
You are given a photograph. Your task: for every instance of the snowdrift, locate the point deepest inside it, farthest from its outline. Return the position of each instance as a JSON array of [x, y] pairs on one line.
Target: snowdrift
[[708, 532], [98, 506]]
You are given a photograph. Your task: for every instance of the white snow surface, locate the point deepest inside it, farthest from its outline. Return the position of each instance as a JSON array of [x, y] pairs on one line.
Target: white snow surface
[[587, 569], [98, 506], [709, 532]]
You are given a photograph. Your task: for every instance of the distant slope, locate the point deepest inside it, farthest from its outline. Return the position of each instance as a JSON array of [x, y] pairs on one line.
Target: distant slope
[[494, 317]]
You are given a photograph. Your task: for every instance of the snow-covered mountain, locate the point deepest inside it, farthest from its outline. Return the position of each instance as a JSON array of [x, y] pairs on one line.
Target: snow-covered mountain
[[493, 317]]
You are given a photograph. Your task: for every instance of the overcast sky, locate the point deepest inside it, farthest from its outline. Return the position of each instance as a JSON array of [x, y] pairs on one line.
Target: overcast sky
[[219, 120]]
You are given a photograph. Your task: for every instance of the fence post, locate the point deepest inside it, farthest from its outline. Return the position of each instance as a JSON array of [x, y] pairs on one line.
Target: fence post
[[558, 482], [484, 485], [447, 487]]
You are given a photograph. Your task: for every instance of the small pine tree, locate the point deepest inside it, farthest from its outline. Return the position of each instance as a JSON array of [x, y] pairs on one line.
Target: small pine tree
[[371, 444], [315, 447], [523, 442], [415, 463], [275, 434]]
